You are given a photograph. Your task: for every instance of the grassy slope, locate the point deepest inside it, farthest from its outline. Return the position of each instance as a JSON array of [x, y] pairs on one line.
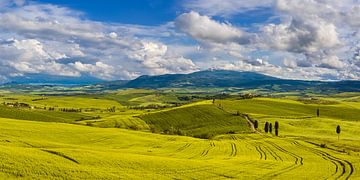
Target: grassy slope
[[62, 101], [289, 108], [40, 115], [122, 118], [50, 150], [199, 121], [299, 120]]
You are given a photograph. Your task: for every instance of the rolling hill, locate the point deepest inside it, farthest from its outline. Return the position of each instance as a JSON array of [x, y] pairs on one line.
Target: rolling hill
[[202, 121], [200, 79], [226, 78]]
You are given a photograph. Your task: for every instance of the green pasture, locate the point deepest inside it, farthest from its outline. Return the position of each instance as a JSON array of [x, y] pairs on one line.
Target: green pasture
[[199, 121], [198, 140], [38, 150]]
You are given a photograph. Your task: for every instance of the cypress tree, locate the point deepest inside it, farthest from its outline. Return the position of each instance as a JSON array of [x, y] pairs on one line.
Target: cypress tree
[[318, 112], [276, 128], [270, 128], [338, 130], [266, 127], [256, 124]]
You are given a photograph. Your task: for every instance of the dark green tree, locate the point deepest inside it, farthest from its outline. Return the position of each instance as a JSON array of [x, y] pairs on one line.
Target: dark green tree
[[270, 128], [266, 127], [318, 112], [276, 128], [276, 125], [338, 130], [256, 124]]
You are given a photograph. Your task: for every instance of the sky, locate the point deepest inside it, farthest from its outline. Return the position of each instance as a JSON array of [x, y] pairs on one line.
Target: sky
[[114, 40]]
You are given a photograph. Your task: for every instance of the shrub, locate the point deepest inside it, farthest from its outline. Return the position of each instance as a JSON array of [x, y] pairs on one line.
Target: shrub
[[133, 127], [205, 136]]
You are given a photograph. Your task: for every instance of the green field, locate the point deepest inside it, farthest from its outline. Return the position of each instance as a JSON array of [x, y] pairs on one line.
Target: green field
[[202, 121], [198, 140]]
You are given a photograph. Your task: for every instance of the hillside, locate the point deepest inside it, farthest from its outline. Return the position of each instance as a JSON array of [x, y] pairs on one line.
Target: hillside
[[201, 79], [226, 78], [203, 121], [145, 144], [40, 115], [215, 78]]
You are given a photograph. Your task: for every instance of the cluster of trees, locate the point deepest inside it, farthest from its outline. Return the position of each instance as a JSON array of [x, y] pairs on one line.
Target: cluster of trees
[[269, 128], [38, 99], [112, 109], [207, 97], [249, 96], [151, 106], [70, 110], [17, 104]]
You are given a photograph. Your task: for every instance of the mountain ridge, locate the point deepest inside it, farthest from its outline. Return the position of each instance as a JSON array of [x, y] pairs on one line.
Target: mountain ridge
[[217, 79]]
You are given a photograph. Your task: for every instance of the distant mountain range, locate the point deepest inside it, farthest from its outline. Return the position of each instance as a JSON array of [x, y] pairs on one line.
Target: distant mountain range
[[209, 78], [54, 79], [225, 78]]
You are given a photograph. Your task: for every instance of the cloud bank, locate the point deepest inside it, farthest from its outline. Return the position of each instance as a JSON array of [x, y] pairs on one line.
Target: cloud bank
[[303, 39]]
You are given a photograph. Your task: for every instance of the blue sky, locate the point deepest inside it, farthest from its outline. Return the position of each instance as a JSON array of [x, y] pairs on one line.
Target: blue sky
[[149, 12], [123, 39], [144, 12]]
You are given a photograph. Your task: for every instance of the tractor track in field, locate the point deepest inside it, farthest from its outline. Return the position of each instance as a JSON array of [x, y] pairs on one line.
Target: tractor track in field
[[260, 152], [206, 151], [265, 156], [298, 161], [182, 148], [272, 153], [340, 164], [233, 149], [60, 155]]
